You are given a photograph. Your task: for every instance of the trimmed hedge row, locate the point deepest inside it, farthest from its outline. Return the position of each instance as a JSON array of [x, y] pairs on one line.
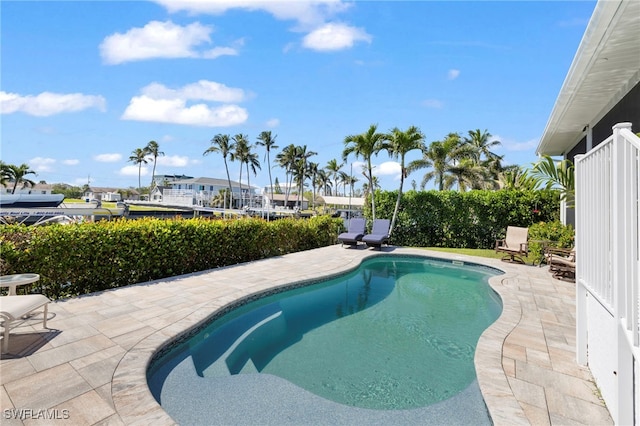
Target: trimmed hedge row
[[473, 219], [89, 257]]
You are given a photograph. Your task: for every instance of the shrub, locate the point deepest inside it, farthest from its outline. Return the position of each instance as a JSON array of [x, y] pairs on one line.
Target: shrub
[[554, 232], [88, 257]]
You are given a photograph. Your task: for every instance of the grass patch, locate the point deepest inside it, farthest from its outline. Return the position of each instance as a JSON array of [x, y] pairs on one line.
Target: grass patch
[[470, 252]]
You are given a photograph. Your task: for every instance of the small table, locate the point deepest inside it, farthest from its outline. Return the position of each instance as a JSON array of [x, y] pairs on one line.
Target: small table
[[13, 281]]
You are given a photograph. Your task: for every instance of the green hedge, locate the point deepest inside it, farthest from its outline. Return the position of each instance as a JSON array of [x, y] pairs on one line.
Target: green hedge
[[473, 219], [89, 257]]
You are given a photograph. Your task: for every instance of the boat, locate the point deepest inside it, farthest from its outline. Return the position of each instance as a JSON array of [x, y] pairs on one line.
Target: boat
[[31, 200]]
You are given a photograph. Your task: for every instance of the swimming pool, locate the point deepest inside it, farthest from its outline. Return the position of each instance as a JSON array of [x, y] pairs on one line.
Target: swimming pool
[[397, 333]]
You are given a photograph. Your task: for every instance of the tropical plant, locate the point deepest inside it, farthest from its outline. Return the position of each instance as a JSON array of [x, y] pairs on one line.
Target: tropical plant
[[269, 142], [517, 178], [323, 181], [558, 175], [366, 145], [333, 168], [17, 175], [287, 160], [301, 170], [241, 153], [153, 149], [222, 144], [482, 146], [400, 143], [253, 164], [138, 156], [443, 157]]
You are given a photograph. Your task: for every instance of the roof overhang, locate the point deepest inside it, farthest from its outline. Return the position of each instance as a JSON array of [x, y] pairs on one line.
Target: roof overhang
[[605, 68]]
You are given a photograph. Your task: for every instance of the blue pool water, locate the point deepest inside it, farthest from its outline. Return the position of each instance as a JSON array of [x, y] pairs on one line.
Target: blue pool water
[[398, 333]]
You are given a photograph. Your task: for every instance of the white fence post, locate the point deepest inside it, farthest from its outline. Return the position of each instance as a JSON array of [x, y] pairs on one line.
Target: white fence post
[[581, 291]]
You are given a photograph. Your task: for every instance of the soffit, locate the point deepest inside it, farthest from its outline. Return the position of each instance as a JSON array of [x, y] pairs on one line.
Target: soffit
[[605, 68]]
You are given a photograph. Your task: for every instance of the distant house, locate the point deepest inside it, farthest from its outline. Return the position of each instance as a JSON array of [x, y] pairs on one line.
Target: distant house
[[110, 194], [38, 188], [202, 191], [165, 180], [278, 201]]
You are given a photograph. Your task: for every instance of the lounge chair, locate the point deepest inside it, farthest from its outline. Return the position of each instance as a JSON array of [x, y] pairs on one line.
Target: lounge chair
[[379, 234], [355, 232], [563, 264], [14, 309], [515, 244]]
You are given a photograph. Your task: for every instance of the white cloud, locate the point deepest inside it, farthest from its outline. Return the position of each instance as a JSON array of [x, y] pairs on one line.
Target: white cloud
[[173, 161], [40, 164], [133, 170], [274, 122], [48, 103], [512, 145], [160, 40], [108, 158], [203, 90], [161, 104], [305, 13], [453, 74], [432, 103], [71, 162], [335, 36], [388, 168]]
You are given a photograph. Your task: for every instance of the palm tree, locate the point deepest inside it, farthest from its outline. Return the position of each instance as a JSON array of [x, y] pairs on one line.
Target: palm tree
[[152, 149], [139, 157], [252, 162], [516, 178], [482, 146], [16, 174], [313, 173], [442, 157], [265, 139], [222, 144], [241, 154], [302, 171], [323, 182], [560, 175], [365, 145], [287, 160], [400, 143], [334, 168]]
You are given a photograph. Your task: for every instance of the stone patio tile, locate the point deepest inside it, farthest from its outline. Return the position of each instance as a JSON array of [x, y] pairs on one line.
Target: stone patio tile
[[47, 388], [14, 369], [576, 409], [540, 358], [85, 409], [537, 416], [528, 393], [105, 393], [564, 383], [114, 420], [101, 372], [71, 334], [129, 340], [5, 401], [46, 359], [116, 326], [514, 351]]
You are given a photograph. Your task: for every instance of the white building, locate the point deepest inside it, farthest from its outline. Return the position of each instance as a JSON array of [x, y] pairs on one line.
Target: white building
[[202, 191]]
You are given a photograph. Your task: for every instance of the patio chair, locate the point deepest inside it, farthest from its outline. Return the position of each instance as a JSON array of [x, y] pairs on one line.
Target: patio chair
[[379, 234], [514, 244], [15, 309], [562, 265], [355, 232]]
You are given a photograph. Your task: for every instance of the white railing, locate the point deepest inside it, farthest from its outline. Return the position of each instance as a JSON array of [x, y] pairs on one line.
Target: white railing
[[607, 244]]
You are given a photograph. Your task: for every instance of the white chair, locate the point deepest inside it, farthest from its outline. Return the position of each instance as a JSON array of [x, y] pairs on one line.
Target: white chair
[[14, 309]]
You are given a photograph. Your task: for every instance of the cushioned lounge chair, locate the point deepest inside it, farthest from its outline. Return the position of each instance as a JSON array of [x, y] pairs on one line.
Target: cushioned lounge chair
[[355, 232], [514, 244], [563, 265], [14, 309], [379, 234]]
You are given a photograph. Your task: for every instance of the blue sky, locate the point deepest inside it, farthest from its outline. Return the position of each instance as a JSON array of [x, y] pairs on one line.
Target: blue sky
[[84, 83]]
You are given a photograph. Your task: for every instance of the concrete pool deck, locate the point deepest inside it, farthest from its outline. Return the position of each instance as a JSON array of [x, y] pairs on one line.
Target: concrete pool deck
[[89, 367]]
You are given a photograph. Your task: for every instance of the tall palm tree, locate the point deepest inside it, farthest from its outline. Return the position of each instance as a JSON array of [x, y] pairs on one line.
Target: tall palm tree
[[442, 157], [302, 155], [223, 144], [139, 157], [323, 181], [241, 154], [313, 174], [287, 160], [253, 164], [16, 174], [153, 149], [269, 142], [334, 168], [482, 145], [400, 143], [366, 145]]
